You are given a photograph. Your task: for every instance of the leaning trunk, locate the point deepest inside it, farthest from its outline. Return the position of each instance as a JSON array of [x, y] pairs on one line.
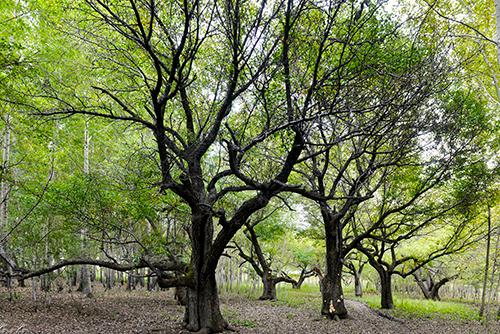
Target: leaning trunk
[[386, 289], [202, 308], [423, 287], [332, 295]]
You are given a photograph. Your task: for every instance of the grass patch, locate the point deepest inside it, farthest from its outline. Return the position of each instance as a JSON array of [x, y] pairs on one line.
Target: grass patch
[[307, 296], [234, 318], [422, 308]]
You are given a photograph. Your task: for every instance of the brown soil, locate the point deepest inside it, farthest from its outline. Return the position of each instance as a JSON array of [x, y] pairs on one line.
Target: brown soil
[[156, 312]]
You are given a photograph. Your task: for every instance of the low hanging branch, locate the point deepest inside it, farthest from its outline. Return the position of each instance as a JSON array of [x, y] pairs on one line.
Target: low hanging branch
[[158, 265]]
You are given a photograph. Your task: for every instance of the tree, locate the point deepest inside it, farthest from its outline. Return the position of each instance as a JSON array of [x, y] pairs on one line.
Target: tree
[[430, 284], [352, 155], [439, 228], [229, 105], [354, 263], [306, 257], [198, 79], [262, 264]]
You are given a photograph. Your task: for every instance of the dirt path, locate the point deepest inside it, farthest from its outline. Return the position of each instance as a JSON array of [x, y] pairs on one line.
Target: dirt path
[[142, 312]]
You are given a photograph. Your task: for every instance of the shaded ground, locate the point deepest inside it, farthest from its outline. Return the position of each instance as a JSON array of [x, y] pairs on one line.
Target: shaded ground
[[157, 312]]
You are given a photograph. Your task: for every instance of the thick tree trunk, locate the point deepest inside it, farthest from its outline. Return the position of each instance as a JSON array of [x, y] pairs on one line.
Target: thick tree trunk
[[333, 297], [269, 288], [202, 309], [386, 300]]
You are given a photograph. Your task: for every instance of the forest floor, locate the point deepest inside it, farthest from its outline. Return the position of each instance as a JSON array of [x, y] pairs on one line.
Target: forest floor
[[157, 312]]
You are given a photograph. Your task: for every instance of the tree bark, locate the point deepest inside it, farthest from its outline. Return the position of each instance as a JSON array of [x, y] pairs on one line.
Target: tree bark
[[74, 278], [202, 308], [4, 192], [299, 283], [435, 293], [358, 289], [421, 284], [131, 281], [85, 284], [109, 279], [269, 288], [386, 299], [333, 297], [181, 295]]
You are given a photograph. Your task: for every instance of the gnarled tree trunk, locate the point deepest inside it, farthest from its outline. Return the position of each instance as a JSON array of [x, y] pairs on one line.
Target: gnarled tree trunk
[[269, 288], [333, 297], [422, 285], [429, 287], [202, 307]]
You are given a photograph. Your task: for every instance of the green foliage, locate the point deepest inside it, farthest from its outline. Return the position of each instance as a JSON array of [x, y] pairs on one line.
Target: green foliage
[[368, 67]]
